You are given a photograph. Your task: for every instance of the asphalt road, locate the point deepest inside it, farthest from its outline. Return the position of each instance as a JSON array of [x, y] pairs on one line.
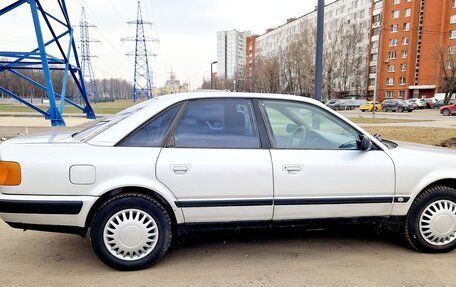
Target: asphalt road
[[293, 258]]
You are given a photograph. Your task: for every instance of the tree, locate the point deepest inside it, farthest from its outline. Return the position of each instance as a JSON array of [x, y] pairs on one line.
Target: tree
[[267, 78], [447, 62]]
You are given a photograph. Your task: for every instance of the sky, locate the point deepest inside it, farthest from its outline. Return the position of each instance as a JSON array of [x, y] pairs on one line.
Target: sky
[[186, 31]]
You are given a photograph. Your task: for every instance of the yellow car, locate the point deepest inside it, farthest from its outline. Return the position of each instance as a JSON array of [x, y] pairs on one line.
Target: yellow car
[[369, 106]]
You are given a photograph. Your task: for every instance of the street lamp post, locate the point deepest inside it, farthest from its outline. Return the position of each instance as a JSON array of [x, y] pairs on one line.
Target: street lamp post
[[319, 51], [212, 64]]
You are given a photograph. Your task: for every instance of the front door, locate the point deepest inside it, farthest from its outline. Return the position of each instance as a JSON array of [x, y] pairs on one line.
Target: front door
[[215, 165], [319, 171]]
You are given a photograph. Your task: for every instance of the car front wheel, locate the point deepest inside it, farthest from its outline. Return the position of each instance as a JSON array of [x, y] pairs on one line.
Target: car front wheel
[[131, 232], [431, 223], [446, 112]]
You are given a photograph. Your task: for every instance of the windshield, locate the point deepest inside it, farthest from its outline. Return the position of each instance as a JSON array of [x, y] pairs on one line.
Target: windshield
[[108, 122]]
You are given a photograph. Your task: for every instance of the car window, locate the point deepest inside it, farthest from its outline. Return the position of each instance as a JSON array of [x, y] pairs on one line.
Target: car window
[[304, 126], [225, 123], [153, 132]]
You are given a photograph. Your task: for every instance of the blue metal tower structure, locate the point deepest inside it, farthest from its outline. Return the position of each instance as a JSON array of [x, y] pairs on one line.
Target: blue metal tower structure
[[142, 75], [40, 59]]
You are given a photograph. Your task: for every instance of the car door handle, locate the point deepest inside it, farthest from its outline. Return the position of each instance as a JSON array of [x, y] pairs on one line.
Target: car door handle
[[180, 169], [292, 168]]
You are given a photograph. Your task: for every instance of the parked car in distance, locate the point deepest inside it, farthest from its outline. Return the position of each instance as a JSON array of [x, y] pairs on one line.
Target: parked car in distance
[[369, 106], [134, 182], [440, 103], [413, 105], [430, 102], [420, 103], [448, 110], [396, 106], [344, 104]]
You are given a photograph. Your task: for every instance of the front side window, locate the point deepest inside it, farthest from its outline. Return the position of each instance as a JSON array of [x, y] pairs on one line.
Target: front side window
[[303, 126], [153, 133], [225, 123]]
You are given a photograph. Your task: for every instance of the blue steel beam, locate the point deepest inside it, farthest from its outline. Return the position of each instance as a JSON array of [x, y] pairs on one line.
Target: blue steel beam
[[38, 85], [55, 116], [12, 7], [3, 90]]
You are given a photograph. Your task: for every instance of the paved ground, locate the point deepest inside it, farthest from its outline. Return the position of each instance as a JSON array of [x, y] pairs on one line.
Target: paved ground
[[351, 258], [429, 118]]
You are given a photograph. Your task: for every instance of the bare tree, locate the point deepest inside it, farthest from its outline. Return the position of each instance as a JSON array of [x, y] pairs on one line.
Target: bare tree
[[267, 79], [447, 62]]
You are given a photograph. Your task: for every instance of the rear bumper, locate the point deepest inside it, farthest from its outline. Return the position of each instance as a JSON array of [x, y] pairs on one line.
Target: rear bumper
[[41, 211]]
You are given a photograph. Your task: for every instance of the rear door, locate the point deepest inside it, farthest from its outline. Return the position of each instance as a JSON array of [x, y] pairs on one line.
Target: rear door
[[215, 164]]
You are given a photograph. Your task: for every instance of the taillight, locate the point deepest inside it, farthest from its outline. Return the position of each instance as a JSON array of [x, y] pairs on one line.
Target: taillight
[[10, 173]]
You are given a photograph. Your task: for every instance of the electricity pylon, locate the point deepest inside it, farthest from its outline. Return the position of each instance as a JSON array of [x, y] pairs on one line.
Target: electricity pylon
[[86, 63], [53, 30], [142, 80]]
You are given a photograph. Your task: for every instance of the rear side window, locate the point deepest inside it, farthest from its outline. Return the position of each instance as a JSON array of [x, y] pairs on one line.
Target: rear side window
[[225, 123], [154, 132]]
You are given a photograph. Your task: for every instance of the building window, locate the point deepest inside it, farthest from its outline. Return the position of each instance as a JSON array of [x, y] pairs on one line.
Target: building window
[[452, 49], [391, 68], [395, 14], [394, 28], [395, 2], [390, 81], [404, 54], [406, 26], [373, 69], [392, 55], [389, 94], [453, 19], [454, 3], [408, 12], [453, 34], [393, 42], [401, 94], [403, 67], [405, 41], [409, 1], [371, 82], [402, 81]]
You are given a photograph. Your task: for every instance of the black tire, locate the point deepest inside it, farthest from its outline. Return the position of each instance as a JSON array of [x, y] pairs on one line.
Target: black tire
[[385, 109], [411, 230], [400, 110], [363, 111], [123, 202], [446, 112]]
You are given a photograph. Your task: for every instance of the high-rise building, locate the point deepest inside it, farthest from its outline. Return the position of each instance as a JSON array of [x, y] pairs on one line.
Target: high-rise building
[[340, 13], [231, 51], [250, 62], [405, 38]]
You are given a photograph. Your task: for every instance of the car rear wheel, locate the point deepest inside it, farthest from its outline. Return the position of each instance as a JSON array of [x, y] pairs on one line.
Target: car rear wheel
[[400, 110], [385, 109], [131, 232], [431, 223], [446, 112]]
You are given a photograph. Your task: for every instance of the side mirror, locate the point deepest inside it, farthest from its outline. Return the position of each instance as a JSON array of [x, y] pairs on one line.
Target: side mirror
[[365, 144]]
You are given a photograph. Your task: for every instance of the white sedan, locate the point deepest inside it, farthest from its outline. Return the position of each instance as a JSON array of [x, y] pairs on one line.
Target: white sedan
[[134, 181]]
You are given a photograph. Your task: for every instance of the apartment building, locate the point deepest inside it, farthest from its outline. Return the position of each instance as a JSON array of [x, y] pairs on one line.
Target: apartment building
[[250, 62], [337, 14], [405, 38], [231, 51]]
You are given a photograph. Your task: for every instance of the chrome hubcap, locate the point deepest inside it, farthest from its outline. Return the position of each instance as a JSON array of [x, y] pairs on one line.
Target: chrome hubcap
[[438, 222], [130, 234]]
